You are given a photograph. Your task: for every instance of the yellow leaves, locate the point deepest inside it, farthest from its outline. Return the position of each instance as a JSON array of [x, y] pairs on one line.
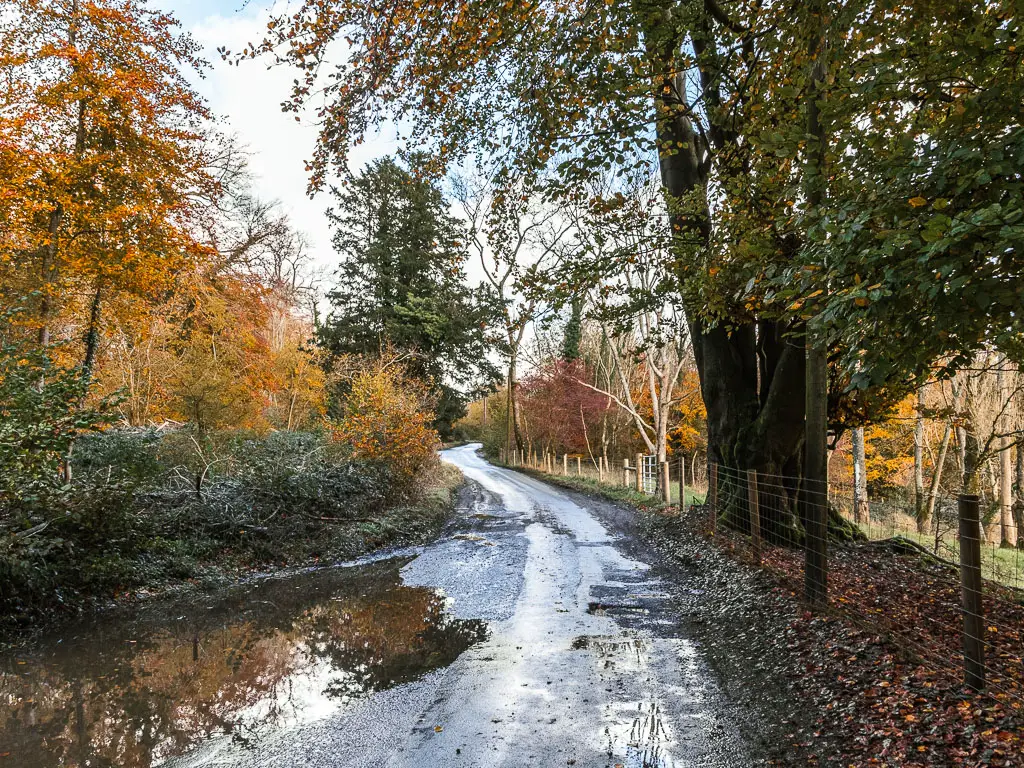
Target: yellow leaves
[[917, 202], [386, 418], [713, 271]]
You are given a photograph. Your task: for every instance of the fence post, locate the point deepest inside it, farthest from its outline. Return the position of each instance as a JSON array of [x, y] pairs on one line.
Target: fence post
[[639, 473], [755, 513], [815, 542], [682, 483], [712, 499], [973, 635], [666, 483], [600, 468]]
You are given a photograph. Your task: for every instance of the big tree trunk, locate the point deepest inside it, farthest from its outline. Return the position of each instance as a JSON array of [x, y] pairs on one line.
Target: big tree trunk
[[752, 376]]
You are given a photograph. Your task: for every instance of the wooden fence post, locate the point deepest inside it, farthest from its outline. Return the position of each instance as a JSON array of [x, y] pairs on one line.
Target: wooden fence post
[[755, 513], [639, 473], [579, 466], [666, 483], [625, 472], [712, 499], [973, 635], [815, 541]]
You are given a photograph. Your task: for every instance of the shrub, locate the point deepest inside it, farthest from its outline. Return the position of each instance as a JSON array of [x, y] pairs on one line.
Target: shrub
[[386, 418]]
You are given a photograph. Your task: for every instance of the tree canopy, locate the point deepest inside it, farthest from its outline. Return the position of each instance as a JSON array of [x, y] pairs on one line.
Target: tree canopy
[[401, 283]]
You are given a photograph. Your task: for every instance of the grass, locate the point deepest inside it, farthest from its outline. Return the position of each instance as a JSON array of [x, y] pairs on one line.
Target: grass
[[588, 482], [1001, 565]]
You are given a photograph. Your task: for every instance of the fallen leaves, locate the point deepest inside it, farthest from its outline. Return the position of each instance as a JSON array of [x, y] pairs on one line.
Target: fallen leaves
[[882, 672]]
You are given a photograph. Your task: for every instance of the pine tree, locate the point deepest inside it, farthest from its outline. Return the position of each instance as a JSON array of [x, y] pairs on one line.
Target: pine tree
[[573, 332], [401, 283]]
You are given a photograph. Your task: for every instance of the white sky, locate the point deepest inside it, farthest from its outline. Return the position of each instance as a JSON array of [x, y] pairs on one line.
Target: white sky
[[248, 97]]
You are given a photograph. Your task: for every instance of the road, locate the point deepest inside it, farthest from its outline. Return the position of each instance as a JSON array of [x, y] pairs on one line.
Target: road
[[585, 662]]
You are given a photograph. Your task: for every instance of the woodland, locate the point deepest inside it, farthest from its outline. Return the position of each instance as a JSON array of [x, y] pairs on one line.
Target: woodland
[[772, 237]]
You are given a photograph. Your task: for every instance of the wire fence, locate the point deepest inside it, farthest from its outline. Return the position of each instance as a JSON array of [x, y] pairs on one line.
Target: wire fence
[[941, 586], [659, 480]]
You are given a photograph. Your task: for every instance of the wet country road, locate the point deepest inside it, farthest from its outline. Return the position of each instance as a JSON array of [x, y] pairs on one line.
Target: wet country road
[[585, 663], [533, 633]]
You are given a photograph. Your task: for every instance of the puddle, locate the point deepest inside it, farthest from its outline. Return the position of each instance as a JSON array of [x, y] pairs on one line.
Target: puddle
[[135, 689]]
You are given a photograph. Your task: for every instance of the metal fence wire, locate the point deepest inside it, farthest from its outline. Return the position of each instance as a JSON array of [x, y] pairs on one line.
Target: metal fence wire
[[940, 586], [651, 474], [943, 588]]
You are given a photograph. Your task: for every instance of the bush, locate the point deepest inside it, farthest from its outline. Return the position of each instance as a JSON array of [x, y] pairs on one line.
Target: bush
[[386, 419], [135, 514]]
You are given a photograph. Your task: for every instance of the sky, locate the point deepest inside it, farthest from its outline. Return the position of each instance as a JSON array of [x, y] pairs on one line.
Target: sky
[[248, 97]]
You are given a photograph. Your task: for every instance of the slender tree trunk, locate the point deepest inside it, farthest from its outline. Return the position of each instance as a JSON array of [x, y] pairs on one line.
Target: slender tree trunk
[[1018, 504], [92, 334], [1007, 523], [514, 437], [940, 462], [920, 514], [291, 410], [1020, 471], [861, 506]]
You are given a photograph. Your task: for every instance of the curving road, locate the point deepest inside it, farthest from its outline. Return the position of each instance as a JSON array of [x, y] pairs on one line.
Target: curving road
[[585, 663]]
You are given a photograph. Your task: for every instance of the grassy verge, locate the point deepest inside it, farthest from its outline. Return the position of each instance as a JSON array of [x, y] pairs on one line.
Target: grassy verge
[[147, 512], [614, 492]]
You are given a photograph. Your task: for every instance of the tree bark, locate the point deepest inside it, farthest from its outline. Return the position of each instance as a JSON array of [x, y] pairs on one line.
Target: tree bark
[[514, 437], [751, 375], [920, 507], [92, 334], [861, 506], [1007, 523]]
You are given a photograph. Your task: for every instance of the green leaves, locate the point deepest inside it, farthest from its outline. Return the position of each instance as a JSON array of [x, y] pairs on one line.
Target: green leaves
[[401, 282], [42, 411]]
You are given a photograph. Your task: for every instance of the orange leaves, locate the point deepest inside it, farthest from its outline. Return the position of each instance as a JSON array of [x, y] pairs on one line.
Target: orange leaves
[[386, 418]]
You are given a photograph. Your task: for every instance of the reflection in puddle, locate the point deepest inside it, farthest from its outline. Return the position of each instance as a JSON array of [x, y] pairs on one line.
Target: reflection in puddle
[[636, 729], [135, 691]]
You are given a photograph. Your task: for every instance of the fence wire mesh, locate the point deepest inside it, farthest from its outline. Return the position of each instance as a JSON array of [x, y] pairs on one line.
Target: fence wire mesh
[[946, 592]]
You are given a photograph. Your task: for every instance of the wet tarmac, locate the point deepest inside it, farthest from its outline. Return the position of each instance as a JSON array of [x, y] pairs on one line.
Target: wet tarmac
[[525, 636]]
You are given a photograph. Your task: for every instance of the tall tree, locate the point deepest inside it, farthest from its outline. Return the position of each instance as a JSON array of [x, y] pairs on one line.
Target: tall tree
[[517, 242], [99, 104], [716, 97], [401, 283]]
